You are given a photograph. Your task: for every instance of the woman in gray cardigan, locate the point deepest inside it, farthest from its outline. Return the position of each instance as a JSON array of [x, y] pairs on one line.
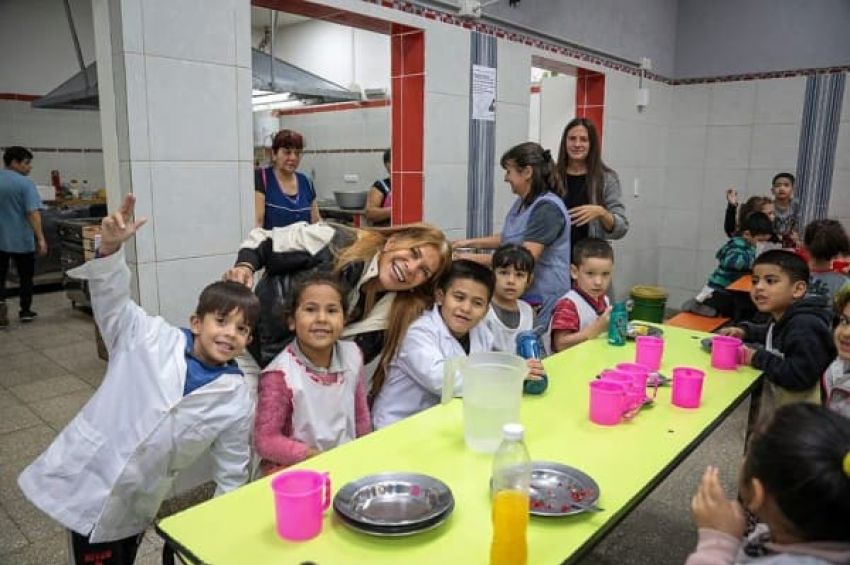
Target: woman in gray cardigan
[[593, 195]]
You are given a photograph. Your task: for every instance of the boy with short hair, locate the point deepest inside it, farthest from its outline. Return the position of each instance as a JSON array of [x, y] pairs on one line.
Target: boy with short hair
[[798, 344], [786, 219], [734, 259], [825, 240], [451, 329], [508, 314], [583, 312], [169, 394]]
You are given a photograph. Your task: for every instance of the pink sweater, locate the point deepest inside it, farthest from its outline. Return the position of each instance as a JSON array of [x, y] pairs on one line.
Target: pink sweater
[[273, 421]]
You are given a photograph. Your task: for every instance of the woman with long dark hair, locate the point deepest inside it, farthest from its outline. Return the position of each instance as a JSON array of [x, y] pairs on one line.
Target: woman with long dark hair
[[538, 220], [592, 190]]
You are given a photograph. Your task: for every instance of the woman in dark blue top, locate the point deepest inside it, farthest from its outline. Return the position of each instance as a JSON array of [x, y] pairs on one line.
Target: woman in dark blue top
[[282, 195]]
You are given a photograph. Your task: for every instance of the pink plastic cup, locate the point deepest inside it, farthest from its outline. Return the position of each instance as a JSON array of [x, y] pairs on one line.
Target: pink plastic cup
[[635, 395], [609, 403], [724, 352], [300, 501], [687, 387], [649, 351], [640, 376]]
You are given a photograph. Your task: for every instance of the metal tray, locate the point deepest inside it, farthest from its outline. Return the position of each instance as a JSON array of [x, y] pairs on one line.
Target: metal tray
[[393, 499], [634, 329], [554, 486], [396, 531]]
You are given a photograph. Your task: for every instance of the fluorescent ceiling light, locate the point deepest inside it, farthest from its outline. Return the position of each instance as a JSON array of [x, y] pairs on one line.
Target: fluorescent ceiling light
[[277, 105]]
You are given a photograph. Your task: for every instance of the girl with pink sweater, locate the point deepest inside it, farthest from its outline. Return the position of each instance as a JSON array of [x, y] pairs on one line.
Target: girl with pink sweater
[[312, 396]]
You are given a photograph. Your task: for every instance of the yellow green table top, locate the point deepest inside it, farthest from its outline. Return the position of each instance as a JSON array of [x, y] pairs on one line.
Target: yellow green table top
[[626, 461]]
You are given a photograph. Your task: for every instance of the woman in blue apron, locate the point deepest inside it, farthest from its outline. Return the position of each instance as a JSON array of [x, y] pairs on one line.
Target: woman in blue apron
[[282, 195], [538, 221]]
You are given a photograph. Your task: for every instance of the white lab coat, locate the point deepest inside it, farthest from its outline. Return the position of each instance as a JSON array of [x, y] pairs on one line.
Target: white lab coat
[[108, 471], [415, 377]]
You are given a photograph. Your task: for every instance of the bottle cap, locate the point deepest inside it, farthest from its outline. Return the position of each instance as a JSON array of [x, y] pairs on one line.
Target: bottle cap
[[513, 432]]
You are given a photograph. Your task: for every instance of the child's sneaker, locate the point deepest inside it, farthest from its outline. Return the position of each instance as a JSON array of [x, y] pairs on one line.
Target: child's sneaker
[[27, 316], [4, 315]]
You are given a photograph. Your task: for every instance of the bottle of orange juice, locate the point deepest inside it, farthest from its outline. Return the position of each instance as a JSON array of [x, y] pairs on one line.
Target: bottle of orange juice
[[511, 480]]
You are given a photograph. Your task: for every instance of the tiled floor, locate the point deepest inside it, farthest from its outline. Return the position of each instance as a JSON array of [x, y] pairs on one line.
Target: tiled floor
[[49, 368]]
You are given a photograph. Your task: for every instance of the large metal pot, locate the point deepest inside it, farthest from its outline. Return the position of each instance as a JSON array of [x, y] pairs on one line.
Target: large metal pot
[[351, 199]]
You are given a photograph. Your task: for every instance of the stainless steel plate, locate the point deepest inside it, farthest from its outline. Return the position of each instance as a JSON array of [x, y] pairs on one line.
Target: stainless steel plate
[[396, 531], [554, 488], [635, 329], [393, 499]]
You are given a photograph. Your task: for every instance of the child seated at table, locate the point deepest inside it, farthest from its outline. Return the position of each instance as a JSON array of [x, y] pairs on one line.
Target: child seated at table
[[508, 314], [836, 379], [583, 312], [415, 377], [168, 395], [734, 259], [824, 241], [312, 396], [796, 481], [798, 346]]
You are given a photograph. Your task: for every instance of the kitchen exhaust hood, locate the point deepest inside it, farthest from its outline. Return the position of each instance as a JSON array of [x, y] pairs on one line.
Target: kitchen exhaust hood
[[80, 91]]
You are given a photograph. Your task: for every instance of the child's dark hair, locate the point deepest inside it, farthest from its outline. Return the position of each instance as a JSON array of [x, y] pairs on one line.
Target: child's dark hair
[[826, 239], [223, 297], [778, 176], [801, 458], [591, 248], [16, 153], [464, 269], [313, 278], [544, 176], [513, 255], [788, 262], [757, 223], [387, 157]]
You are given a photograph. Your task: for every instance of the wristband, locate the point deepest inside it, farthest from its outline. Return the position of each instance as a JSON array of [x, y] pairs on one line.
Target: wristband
[[246, 265]]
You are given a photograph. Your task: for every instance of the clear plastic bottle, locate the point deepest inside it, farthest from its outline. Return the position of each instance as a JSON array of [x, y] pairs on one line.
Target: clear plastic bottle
[[511, 482]]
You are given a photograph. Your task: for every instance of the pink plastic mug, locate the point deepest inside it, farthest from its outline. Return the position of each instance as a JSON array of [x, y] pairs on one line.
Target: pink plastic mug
[[635, 395], [649, 350], [609, 402], [300, 500], [640, 375], [724, 352], [687, 387]]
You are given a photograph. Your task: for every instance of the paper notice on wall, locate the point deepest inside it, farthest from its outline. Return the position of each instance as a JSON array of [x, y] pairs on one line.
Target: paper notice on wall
[[483, 93]]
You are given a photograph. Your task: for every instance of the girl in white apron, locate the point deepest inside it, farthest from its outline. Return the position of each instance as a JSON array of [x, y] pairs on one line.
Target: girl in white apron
[[312, 396]]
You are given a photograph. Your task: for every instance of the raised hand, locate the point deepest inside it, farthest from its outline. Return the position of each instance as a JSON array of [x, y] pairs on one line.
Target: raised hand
[[580, 215], [119, 226], [711, 508], [732, 197]]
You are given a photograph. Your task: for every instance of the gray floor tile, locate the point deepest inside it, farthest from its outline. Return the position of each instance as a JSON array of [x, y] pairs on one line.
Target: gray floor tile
[[24, 445], [32, 522], [11, 345], [76, 356], [17, 418], [8, 400], [48, 551], [66, 337], [38, 369], [57, 412], [49, 388], [22, 359], [93, 376], [11, 538]]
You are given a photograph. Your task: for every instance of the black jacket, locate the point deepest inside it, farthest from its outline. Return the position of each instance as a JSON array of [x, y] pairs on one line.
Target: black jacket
[[803, 335]]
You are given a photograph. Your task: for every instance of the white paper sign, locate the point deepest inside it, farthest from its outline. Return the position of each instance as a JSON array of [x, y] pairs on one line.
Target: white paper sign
[[483, 93]]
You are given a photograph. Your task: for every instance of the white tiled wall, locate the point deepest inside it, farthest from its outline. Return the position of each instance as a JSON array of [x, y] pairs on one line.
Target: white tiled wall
[[21, 124], [721, 135]]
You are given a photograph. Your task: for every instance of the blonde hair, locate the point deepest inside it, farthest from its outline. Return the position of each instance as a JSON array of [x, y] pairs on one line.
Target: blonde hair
[[407, 305]]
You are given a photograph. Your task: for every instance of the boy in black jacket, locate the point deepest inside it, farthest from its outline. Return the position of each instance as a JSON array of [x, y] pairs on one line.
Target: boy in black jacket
[[798, 345]]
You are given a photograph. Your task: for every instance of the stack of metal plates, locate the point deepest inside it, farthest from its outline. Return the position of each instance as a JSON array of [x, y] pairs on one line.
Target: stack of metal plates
[[394, 504]]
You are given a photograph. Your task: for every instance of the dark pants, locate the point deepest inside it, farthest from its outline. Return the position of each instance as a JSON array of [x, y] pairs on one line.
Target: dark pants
[[118, 552], [735, 305], [25, 265]]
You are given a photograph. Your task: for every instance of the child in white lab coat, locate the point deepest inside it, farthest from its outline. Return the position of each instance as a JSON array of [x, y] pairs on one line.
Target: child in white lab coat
[[509, 314], [312, 396], [415, 378], [168, 395]]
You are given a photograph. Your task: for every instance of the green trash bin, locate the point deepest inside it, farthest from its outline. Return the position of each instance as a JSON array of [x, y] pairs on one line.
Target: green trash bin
[[648, 303]]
